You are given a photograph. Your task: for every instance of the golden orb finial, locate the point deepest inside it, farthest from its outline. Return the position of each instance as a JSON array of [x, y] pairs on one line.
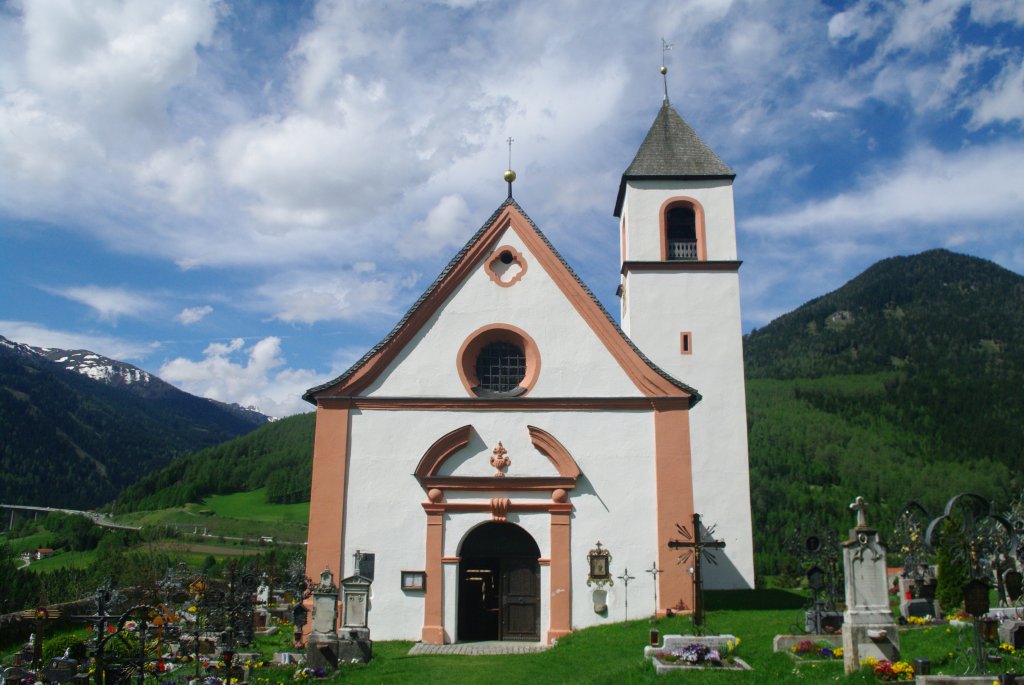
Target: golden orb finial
[[509, 175], [664, 70]]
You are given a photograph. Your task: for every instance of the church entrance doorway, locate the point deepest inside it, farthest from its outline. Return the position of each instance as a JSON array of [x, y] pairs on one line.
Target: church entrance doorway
[[499, 584]]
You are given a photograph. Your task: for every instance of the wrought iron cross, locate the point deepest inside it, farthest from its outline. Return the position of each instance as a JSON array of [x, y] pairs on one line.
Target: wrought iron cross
[[654, 571], [625, 578], [697, 548]]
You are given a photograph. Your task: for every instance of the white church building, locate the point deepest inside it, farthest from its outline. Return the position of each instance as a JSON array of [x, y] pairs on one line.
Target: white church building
[[508, 451]]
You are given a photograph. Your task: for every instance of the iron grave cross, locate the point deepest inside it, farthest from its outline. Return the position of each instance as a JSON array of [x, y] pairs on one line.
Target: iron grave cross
[[697, 548]]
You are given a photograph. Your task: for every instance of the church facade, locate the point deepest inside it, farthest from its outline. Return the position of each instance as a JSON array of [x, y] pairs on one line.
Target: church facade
[[508, 451]]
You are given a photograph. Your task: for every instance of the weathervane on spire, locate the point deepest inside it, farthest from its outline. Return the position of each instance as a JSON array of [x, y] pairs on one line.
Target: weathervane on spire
[[665, 47], [509, 174]]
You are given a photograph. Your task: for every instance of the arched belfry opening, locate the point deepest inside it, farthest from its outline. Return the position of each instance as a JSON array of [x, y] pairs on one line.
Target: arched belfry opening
[[681, 233], [499, 584]]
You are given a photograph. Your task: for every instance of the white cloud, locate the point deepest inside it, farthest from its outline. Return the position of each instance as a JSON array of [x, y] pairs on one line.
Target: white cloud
[[446, 224], [250, 376], [940, 191], [178, 175], [308, 297], [191, 315], [114, 62], [1004, 101], [37, 335], [109, 303]]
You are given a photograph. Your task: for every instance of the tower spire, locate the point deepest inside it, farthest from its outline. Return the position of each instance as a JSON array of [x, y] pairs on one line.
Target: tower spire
[[665, 47]]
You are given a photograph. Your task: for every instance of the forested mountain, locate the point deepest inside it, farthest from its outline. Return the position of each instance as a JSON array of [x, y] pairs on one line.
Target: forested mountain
[[278, 456], [77, 427], [903, 384]]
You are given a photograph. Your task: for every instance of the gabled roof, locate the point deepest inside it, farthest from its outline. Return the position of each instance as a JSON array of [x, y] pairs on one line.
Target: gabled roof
[[651, 380], [672, 150]]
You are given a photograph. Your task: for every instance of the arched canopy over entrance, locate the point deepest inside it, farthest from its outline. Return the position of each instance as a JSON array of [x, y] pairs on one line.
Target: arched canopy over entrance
[[499, 584]]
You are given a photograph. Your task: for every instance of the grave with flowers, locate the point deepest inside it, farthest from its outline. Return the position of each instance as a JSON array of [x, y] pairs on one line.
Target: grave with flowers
[[696, 652]]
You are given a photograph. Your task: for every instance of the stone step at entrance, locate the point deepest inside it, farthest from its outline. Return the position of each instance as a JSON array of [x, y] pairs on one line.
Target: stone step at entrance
[[479, 648]]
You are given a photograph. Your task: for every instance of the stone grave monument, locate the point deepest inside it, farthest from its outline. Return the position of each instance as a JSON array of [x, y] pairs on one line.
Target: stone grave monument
[[354, 643], [322, 644], [868, 626]]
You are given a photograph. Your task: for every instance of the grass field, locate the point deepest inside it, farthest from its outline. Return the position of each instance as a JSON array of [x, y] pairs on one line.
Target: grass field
[[64, 560], [239, 515]]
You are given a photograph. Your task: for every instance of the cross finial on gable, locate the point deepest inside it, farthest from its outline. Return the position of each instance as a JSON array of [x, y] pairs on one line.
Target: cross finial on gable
[[509, 174], [665, 47]]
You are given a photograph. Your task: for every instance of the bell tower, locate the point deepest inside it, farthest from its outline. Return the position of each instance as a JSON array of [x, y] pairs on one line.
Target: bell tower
[[680, 299]]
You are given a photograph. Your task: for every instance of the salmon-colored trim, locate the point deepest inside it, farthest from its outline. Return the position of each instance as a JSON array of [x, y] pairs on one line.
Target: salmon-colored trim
[[450, 560], [544, 561], [326, 544], [490, 483], [698, 219], [535, 404], [674, 493], [646, 379], [547, 445], [450, 443], [487, 506], [497, 332], [433, 595], [443, 447], [517, 257], [561, 575], [686, 342], [681, 266]]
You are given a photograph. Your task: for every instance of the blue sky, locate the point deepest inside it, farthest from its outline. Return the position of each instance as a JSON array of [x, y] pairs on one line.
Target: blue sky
[[242, 197]]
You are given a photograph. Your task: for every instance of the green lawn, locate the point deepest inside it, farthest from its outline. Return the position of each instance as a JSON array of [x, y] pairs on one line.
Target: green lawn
[[613, 654]]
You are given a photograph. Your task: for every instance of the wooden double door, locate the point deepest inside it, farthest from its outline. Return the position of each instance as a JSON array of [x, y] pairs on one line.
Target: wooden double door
[[499, 585]]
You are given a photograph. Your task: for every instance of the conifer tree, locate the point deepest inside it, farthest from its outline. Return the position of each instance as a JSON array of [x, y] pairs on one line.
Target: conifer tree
[[953, 569]]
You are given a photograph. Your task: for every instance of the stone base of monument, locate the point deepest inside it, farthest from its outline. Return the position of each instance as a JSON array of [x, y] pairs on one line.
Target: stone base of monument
[[673, 644], [322, 651], [863, 638], [355, 646]]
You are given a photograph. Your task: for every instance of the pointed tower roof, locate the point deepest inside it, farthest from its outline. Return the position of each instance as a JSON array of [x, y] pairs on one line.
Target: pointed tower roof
[[672, 150]]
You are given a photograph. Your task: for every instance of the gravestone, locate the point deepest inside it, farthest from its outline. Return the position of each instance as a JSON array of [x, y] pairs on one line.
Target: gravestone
[[917, 598], [1013, 581], [354, 644], [868, 626], [322, 644], [1012, 633]]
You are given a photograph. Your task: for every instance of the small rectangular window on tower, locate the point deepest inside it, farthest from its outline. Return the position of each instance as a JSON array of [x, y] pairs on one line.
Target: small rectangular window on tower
[[686, 343]]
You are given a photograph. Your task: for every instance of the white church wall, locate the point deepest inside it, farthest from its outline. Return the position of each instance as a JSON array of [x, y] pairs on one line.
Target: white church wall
[[642, 212], [573, 361], [613, 503], [707, 306]]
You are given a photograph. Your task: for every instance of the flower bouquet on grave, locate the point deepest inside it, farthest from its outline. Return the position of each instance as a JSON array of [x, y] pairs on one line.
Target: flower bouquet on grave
[[889, 671], [820, 649], [694, 654]]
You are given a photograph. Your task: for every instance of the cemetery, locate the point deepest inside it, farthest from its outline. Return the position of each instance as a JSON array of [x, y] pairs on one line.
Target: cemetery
[[856, 619]]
